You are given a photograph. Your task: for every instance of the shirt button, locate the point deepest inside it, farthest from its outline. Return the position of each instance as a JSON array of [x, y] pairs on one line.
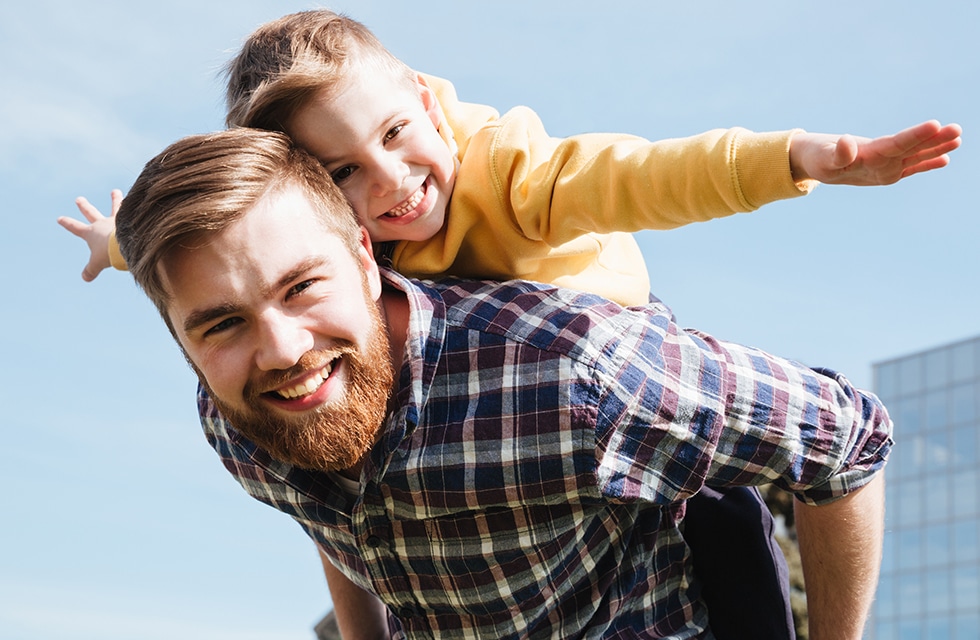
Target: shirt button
[[406, 612], [374, 542]]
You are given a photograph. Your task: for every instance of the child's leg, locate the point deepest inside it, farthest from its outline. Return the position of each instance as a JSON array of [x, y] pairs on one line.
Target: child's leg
[[744, 573]]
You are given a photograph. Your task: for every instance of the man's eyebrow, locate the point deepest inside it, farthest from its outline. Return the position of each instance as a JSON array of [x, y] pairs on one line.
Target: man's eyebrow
[[200, 317], [197, 319], [302, 268]]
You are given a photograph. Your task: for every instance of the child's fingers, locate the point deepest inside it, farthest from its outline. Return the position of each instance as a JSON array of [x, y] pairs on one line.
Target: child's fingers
[[934, 151], [926, 165], [75, 227], [912, 137], [117, 198], [90, 212], [927, 135], [947, 139], [90, 272]]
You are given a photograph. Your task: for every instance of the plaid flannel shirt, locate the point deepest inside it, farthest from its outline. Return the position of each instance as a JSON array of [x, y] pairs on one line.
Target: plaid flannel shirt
[[530, 480]]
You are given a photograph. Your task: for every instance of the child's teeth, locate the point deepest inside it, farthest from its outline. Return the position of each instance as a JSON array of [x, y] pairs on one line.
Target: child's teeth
[[407, 206]]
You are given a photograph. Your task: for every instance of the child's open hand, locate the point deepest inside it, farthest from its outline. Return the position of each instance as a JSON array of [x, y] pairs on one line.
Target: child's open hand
[[863, 162], [96, 233]]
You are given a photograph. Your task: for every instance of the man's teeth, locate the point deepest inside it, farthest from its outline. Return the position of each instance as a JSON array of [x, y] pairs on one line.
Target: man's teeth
[[308, 387], [408, 205]]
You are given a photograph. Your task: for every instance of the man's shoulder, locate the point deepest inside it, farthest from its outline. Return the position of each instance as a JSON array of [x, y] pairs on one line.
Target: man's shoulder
[[533, 314], [576, 324]]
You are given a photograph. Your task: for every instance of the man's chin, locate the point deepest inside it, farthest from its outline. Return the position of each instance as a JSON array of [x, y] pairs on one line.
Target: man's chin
[[322, 440], [332, 436]]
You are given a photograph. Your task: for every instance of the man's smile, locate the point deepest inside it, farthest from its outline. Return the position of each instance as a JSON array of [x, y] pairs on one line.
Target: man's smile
[[305, 389]]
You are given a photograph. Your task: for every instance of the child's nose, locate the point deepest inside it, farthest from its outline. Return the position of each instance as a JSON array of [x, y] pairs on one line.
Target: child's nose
[[390, 172]]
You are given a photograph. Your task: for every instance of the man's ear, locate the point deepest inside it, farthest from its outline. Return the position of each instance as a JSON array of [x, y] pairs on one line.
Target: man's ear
[[430, 102], [365, 253]]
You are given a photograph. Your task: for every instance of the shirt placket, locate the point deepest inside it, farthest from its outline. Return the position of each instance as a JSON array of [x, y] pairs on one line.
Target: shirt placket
[[373, 530]]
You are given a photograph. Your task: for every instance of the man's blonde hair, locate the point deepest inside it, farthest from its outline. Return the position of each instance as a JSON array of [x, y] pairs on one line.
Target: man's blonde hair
[[201, 184], [288, 61]]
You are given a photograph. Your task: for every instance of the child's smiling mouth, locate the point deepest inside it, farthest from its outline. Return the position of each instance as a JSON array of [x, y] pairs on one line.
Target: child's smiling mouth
[[409, 204]]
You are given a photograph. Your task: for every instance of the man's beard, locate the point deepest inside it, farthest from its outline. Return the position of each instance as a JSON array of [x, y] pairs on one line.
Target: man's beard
[[332, 437]]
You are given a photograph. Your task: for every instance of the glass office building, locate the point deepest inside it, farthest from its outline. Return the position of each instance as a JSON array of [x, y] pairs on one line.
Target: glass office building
[[930, 574]]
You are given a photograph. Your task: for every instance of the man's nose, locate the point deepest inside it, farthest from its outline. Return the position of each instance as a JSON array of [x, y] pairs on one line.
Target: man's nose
[[282, 341]]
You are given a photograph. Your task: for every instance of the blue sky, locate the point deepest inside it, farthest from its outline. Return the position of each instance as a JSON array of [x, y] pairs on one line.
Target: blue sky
[[117, 520]]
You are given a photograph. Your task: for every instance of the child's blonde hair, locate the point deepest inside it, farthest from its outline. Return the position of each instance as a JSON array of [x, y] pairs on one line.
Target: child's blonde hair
[[286, 62]]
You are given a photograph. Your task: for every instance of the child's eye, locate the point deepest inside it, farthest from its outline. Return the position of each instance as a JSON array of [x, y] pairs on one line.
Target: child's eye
[[300, 288], [342, 174], [393, 132]]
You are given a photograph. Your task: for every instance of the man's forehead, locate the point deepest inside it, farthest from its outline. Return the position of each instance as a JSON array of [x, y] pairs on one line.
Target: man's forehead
[[284, 216], [281, 234]]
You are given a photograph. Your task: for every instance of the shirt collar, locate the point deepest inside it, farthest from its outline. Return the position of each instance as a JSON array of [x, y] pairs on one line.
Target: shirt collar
[[423, 349]]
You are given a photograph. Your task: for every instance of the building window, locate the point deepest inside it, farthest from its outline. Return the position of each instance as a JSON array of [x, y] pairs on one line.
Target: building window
[[930, 572]]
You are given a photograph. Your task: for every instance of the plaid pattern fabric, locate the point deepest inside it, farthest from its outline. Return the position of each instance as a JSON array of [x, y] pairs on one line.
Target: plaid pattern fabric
[[531, 480]]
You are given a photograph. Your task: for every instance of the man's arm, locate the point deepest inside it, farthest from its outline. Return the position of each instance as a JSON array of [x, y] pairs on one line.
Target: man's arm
[[360, 615], [840, 545]]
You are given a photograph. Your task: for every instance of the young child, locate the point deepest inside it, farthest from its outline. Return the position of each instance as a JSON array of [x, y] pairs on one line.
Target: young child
[[449, 187], [461, 190]]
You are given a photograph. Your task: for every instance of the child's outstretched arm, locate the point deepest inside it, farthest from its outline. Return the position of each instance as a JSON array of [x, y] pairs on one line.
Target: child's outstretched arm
[[847, 159], [96, 233]]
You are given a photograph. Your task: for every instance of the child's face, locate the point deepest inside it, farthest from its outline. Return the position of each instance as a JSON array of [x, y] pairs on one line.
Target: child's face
[[378, 138]]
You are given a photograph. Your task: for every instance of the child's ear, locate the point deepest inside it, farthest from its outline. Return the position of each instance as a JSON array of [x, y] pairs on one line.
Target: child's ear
[[430, 102]]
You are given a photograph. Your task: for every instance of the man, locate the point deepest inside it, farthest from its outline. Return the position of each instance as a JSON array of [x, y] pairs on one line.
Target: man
[[478, 459]]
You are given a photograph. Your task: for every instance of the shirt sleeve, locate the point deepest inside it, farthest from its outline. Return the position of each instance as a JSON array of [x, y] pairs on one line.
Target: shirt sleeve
[[116, 258], [559, 188], [684, 409]]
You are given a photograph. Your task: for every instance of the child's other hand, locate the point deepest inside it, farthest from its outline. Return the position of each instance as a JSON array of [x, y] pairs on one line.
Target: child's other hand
[[96, 233], [861, 161]]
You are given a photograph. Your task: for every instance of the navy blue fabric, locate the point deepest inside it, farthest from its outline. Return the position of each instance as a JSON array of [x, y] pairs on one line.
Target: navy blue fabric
[[744, 574]]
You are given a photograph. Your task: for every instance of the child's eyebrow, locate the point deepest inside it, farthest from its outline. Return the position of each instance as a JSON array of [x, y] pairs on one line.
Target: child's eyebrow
[[331, 159], [384, 124]]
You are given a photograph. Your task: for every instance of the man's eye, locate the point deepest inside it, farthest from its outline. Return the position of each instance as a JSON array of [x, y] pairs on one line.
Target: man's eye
[[224, 325], [393, 132], [342, 174]]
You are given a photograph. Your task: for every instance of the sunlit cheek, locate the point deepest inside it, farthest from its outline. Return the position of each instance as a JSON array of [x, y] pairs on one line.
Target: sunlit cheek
[[226, 371], [351, 323], [358, 199], [197, 357]]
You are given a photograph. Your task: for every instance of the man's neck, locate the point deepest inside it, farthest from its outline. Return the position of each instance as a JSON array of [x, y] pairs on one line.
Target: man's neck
[[395, 311]]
